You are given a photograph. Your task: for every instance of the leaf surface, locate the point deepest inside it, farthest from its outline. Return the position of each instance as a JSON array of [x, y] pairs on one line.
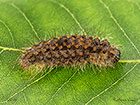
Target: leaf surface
[[23, 22]]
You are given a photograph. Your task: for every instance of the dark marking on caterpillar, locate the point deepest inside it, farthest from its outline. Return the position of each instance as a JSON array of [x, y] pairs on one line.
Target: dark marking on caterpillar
[[72, 50]]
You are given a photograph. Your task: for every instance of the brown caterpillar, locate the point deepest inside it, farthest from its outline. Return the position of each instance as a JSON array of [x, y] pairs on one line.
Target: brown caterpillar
[[72, 50]]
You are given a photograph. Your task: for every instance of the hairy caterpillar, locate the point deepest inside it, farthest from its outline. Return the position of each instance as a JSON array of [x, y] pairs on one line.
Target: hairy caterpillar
[[72, 50]]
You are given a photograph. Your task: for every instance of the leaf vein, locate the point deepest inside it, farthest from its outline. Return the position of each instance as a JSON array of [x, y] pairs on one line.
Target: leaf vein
[[25, 98], [116, 22], [102, 92], [10, 97], [9, 32], [137, 102], [138, 6], [71, 14], [1, 51], [27, 19], [61, 87]]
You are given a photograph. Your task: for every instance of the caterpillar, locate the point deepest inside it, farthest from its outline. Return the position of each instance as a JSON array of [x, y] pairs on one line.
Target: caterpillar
[[72, 50]]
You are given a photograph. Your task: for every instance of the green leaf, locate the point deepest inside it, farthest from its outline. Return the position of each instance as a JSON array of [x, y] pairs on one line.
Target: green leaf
[[23, 22]]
